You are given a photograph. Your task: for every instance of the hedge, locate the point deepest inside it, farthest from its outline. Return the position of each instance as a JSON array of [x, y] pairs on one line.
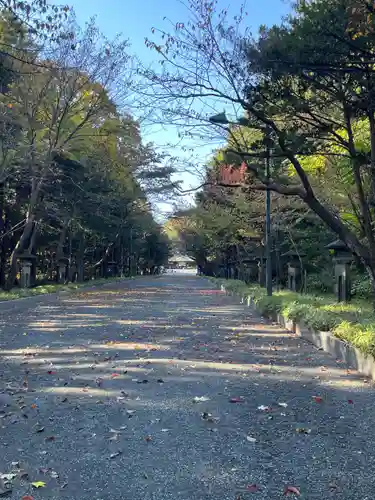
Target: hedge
[[353, 322]]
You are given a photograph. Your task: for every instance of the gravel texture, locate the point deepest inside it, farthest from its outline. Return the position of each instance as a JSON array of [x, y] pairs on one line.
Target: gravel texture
[[165, 388]]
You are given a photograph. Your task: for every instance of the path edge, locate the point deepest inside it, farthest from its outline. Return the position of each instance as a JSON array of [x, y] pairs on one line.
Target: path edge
[[9, 305], [326, 341]]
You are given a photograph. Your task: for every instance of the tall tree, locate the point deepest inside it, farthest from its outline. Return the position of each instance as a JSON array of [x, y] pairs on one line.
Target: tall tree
[[304, 85]]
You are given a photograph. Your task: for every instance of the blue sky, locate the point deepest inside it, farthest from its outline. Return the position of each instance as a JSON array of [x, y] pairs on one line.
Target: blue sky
[[135, 18]]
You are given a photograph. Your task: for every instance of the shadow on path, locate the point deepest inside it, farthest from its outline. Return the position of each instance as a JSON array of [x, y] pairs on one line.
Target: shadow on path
[[100, 391]]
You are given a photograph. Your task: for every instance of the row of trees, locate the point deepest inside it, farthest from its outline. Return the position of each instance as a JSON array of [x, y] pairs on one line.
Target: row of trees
[[306, 89], [75, 175]]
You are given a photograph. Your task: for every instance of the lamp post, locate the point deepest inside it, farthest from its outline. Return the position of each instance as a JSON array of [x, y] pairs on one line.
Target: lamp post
[[268, 216], [221, 119]]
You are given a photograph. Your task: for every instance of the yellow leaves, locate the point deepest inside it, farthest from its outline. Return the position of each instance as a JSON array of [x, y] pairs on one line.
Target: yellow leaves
[[313, 164], [38, 484], [316, 164]]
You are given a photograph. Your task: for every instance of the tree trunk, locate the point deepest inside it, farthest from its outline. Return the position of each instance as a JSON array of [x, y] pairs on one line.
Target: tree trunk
[[31, 250], [3, 253], [80, 259], [25, 237], [371, 118], [19, 248]]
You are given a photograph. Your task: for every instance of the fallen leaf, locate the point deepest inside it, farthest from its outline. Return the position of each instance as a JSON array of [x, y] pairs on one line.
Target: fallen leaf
[[250, 439], [51, 372], [291, 489], [208, 417], [333, 486], [38, 484], [114, 375], [317, 399], [200, 399], [252, 488], [236, 400], [350, 401], [303, 430], [9, 477], [50, 438], [27, 497], [264, 408]]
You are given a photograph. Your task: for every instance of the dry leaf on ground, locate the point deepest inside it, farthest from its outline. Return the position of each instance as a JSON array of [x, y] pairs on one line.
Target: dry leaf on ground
[[38, 484], [292, 490]]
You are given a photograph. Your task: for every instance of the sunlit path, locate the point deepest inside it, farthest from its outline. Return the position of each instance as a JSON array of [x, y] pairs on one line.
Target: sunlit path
[[164, 388]]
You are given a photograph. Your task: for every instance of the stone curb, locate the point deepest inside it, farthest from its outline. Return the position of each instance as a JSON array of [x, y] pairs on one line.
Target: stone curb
[[353, 357]]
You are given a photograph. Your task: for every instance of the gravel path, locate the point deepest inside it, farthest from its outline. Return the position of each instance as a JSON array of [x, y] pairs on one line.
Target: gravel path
[[163, 388]]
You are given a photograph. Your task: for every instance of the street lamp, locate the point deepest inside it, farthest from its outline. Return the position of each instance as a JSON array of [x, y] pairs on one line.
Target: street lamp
[[221, 119]]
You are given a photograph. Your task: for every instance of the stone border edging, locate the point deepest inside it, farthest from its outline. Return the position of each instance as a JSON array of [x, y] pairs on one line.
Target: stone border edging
[[353, 357]]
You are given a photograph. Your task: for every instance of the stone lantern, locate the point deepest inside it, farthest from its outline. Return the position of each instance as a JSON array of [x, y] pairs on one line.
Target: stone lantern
[[222, 270], [261, 270], [26, 263], [342, 257], [62, 267], [251, 268], [294, 269]]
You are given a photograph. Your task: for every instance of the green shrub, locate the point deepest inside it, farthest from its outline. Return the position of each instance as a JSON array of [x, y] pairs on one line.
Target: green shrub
[[353, 322], [43, 289], [362, 288], [320, 282]]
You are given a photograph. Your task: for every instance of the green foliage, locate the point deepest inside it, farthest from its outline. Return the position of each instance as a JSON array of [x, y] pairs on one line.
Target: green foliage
[[75, 174], [353, 322], [362, 288], [45, 289]]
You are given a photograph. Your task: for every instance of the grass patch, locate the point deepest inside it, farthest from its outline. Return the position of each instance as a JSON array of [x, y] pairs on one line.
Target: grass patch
[[353, 322], [21, 293]]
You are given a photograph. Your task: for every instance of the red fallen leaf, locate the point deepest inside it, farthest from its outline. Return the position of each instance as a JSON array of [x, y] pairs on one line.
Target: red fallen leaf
[[28, 497], [114, 375], [236, 400], [252, 488], [317, 399], [51, 372], [291, 489], [350, 401]]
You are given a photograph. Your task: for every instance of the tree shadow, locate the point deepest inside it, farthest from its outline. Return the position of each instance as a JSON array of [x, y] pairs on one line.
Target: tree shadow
[[120, 373]]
